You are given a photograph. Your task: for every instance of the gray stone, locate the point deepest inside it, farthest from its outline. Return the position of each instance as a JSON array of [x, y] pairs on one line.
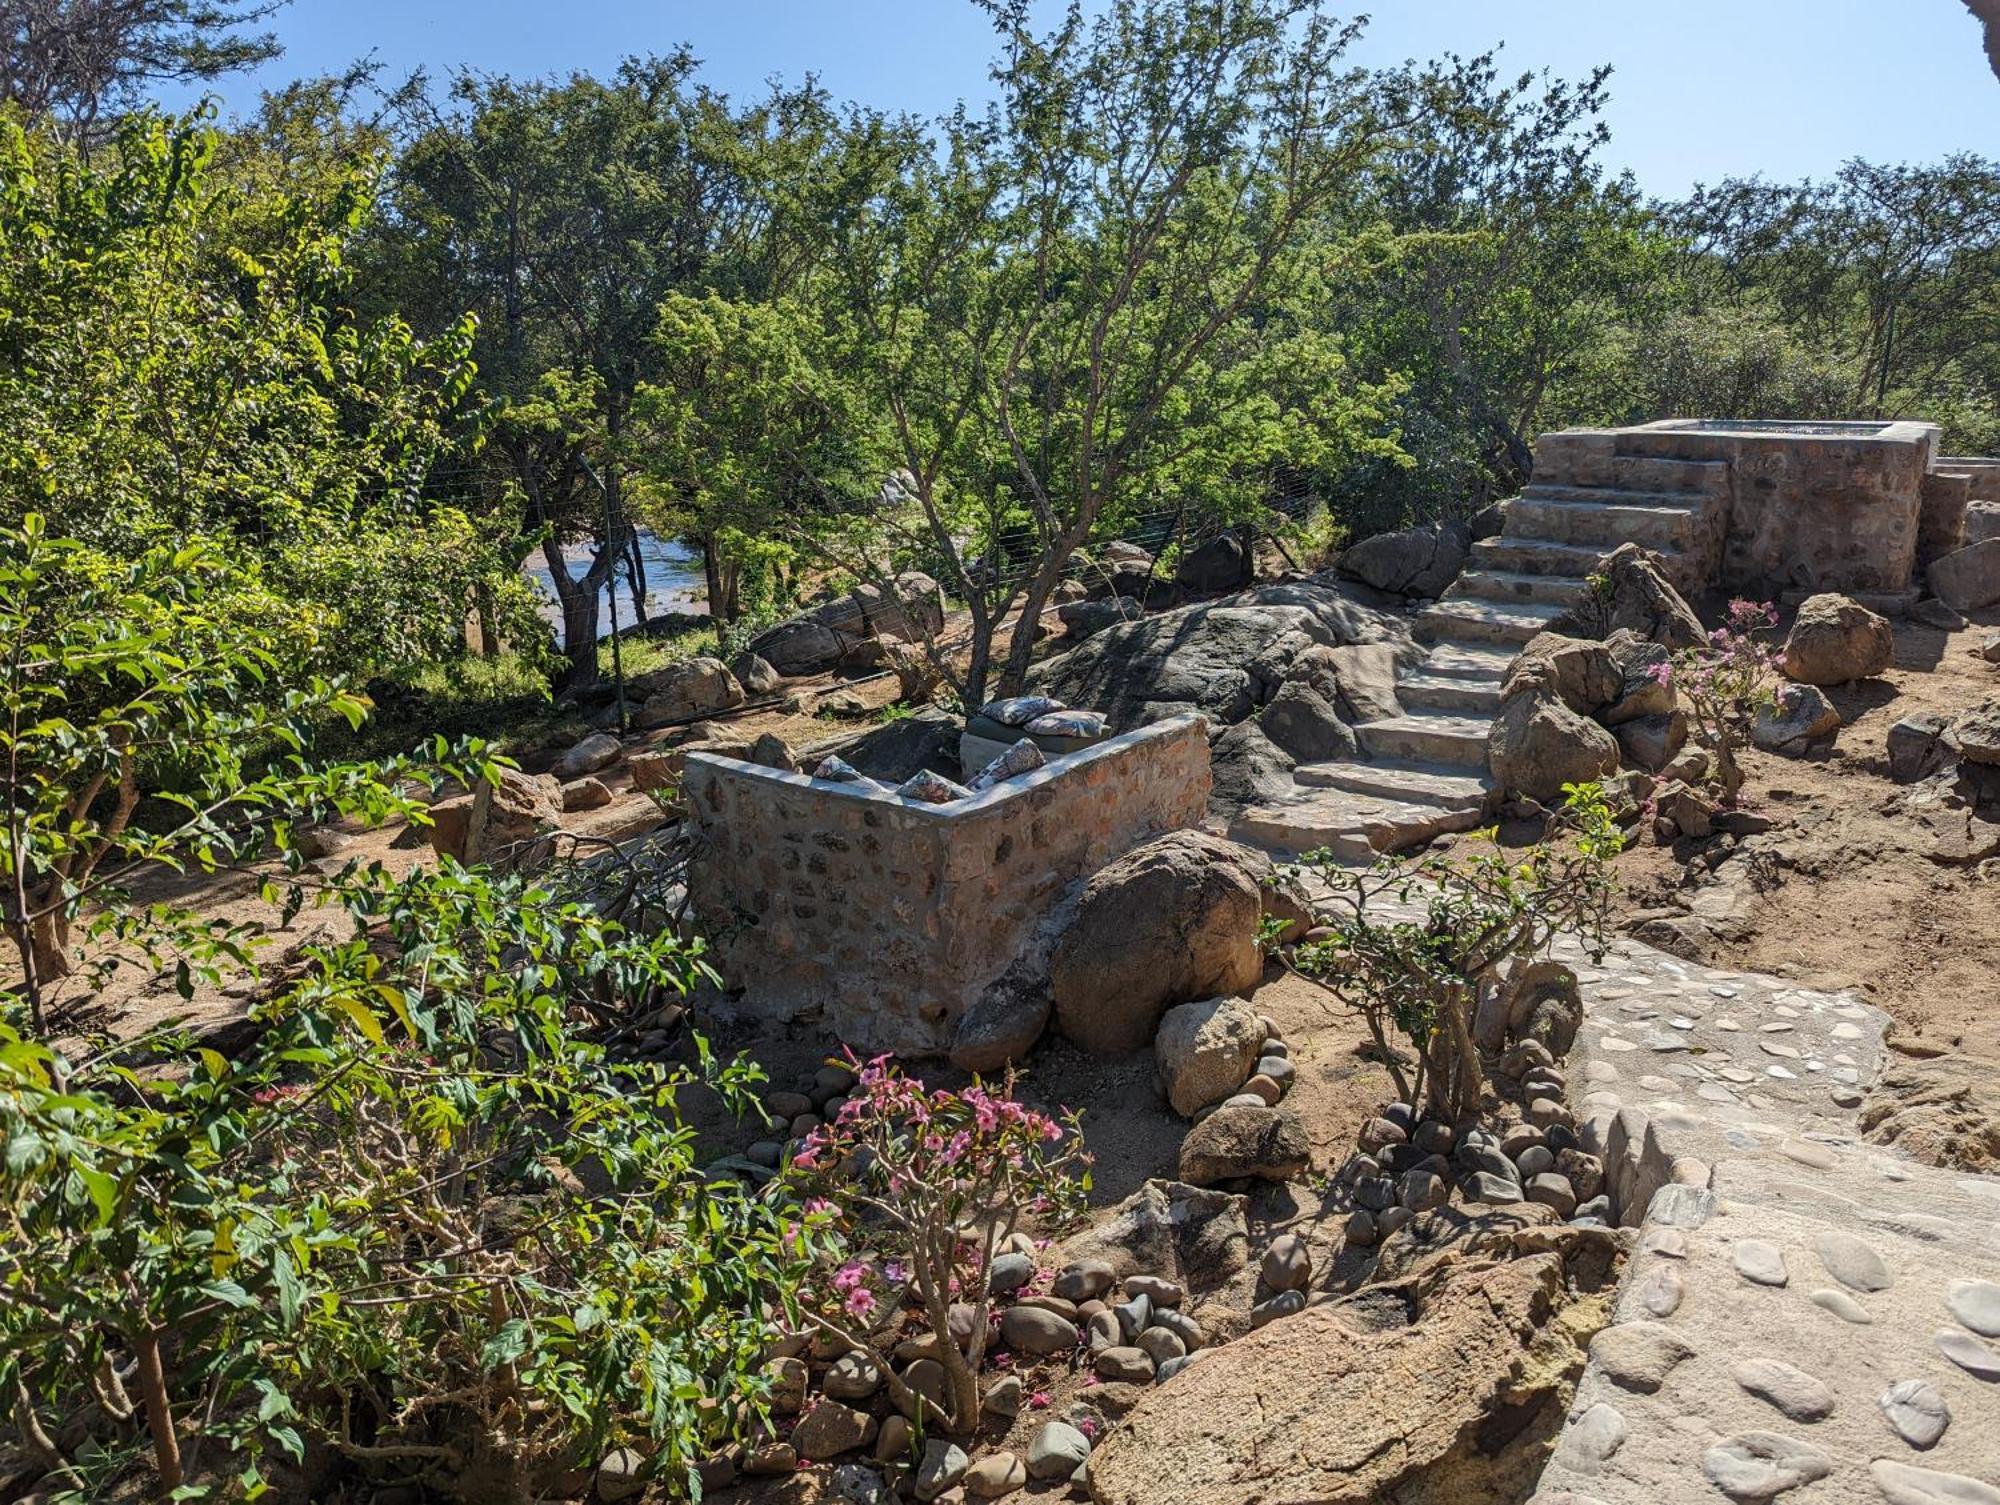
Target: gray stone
[[1133, 1317], [1852, 1262], [1761, 1262], [1917, 1412], [1083, 1281], [943, 1465], [620, 1476], [1976, 1303], [1537, 744], [1639, 1355], [1905, 1484], [1843, 1306], [1133, 1365], [1182, 1326], [1031, 1330], [829, 1429], [1552, 1190], [1794, 1392], [1004, 1396], [1421, 1190], [1968, 1353], [1763, 1465], [1495, 1191], [1101, 1331], [1008, 1273], [1056, 1451], [995, 1476], [1161, 1346]]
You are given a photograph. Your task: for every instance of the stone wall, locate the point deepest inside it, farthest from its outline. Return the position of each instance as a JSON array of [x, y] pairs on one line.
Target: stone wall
[[1812, 508], [886, 919], [1803, 506]]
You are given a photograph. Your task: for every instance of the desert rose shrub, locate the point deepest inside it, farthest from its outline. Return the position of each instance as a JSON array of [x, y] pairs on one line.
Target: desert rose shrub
[[912, 1191], [1726, 684]]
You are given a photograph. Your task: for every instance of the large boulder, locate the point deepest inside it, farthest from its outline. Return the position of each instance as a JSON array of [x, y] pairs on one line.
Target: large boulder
[[800, 647], [1301, 722], [1967, 579], [912, 610], [686, 692], [503, 823], [1221, 564], [1538, 744], [1411, 561], [1636, 594], [1578, 672], [1245, 1142], [1205, 1051], [1193, 1235], [1224, 658], [1173, 920], [755, 675], [1402, 1391], [1835, 640]]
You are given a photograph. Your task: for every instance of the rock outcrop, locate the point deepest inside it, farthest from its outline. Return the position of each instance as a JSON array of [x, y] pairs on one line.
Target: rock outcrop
[[1435, 1389], [1224, 658], [1173, 920], [1538, 744], [1967, 579]]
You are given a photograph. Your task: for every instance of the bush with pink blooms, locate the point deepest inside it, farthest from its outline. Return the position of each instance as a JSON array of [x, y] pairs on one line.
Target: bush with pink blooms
[[1726, 684], [914, 1191]]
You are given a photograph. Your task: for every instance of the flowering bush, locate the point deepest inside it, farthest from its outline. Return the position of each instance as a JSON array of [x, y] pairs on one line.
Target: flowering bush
[[1726, 684], [916, 1190]]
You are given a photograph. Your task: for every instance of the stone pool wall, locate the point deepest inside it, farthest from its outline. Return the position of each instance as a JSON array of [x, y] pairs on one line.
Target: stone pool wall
[[886, 919], [1811, 506]]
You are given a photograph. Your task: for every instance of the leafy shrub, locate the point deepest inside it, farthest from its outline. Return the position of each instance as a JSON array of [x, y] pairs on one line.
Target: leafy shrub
[[916, 1189], [1413, 944]]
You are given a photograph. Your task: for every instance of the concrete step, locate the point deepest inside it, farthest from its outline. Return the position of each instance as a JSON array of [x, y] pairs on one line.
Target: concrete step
[[1428, 737], [1441, 784], [1485, 621], [1508, 586], [1631, 472], [1354, 827], [1604, 523], [1458, 659], [1425, 692], [1537, 556], [1611, 496]]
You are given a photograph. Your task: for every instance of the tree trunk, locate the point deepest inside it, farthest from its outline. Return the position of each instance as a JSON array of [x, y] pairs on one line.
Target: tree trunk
[[159, 1410], [711, 573], [636, 565]]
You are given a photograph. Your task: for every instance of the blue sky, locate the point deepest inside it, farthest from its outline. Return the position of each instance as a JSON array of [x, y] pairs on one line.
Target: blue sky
[[1703, 89]]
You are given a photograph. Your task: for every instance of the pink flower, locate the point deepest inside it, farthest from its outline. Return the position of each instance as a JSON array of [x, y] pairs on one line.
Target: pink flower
[[860, 1302], [1089, 1381], [851, 1276], [894, 1272], [1039, 1401], [1088, 1426], [1003, 1361]]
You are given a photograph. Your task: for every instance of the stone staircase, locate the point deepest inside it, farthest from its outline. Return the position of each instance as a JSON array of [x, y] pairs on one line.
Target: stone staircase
[[1427, 773]]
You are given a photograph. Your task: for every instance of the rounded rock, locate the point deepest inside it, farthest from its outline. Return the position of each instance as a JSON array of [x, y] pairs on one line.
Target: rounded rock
[[1755, 1466], [1288, 1264], [1182, 1326], [1905, 1484], [853, 1376], [1284, 1304], [1008, 1273], [1159, 1291], [1380, 1133], [1842, 1306], [944, 1464], [1976, 1304], [1161, 1346], [1535, 1159], [1760, 1262], [1852, 1261], [1361, 1230], [1552, 1191], [1392, 1219], [1132, 1365], [1056, 1451], [1083, 1280], [995, 1477], [1968, 1353]]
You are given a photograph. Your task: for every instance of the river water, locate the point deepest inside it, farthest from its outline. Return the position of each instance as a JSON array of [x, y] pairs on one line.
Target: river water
[[673, 581]]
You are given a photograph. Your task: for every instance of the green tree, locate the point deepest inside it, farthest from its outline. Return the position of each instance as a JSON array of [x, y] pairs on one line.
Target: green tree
[[179, 362]]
